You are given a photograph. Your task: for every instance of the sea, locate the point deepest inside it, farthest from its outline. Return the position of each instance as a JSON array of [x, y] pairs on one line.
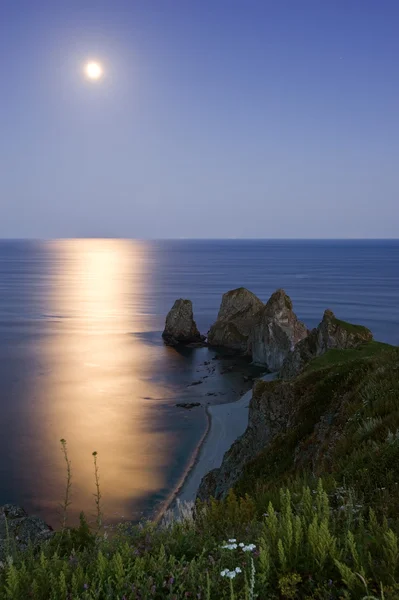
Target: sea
[[82, 359]]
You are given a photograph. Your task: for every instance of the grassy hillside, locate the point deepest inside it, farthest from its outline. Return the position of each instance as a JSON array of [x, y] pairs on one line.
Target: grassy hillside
[[314, 515], [346, 425]]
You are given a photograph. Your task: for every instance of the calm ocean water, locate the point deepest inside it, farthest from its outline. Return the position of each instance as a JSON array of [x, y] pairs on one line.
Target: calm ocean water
[[81, 356]]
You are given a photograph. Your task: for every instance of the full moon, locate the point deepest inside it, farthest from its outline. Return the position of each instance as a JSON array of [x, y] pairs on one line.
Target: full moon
[[93, 70]]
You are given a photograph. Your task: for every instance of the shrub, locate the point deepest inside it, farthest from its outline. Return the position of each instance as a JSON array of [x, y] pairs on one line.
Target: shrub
[[304, 547]]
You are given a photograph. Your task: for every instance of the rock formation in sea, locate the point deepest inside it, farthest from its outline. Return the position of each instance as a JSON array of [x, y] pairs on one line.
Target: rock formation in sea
[[330, 333], [235, 320], [19, 529], [275, 332], [180, 327]]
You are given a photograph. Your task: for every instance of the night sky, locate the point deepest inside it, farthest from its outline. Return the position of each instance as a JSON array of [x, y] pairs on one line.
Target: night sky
[[214, 118]]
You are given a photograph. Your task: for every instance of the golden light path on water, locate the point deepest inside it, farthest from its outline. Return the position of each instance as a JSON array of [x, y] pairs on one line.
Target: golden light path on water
[[91, 394]]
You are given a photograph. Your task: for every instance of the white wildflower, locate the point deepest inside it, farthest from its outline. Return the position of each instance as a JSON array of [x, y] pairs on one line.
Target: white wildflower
[[230, 546], [230, 574], [249, 548], [241, 544], [224, 572], [232, 541]]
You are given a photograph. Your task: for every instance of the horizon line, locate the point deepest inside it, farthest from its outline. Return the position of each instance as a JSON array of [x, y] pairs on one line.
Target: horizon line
[[210, 239]]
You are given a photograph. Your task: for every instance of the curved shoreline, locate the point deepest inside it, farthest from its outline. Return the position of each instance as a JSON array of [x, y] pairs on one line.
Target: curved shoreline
[[226, 423], [174, 495]]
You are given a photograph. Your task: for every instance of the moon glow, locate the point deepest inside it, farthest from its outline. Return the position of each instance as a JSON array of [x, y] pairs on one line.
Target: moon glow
[[93, 70]]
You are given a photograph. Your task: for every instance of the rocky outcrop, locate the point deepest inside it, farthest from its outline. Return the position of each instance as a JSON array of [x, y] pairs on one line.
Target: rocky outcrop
[[298, 424], [180, 327], [235, 320], [275, 332], [330, 333], [303, 417], [20, 530], [267, 332], [267, 416]]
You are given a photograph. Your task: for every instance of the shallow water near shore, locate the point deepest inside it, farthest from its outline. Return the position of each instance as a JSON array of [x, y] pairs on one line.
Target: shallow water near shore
[[81, 356]]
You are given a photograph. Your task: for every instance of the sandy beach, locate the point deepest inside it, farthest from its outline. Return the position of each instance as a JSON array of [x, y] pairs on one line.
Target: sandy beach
[[227, 422]]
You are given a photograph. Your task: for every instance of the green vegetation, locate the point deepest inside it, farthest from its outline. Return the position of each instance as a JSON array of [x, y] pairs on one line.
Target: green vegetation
[[358, 445], [343, 356], [351, 328], [314, 516], [307, 544]]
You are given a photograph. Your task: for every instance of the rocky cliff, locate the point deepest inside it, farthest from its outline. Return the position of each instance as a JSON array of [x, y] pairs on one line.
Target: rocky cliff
[[317, 423], [330, 333], [180, 327], [235, 320], [275, 332], [266, 416]]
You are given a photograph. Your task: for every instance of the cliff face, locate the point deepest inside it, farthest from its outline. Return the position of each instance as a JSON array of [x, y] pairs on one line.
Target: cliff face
[[275, 332], [321, 421], [268, 414], [180, 327], [235, 320], [330, 333]]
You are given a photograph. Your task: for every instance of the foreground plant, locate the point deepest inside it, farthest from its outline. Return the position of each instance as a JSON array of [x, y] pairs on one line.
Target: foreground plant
[[67, 496], [311, 542]]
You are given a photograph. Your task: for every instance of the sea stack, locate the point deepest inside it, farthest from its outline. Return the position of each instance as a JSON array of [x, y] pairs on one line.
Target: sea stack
[[235, 320], [180, 327], [275, 332], [330, 333]]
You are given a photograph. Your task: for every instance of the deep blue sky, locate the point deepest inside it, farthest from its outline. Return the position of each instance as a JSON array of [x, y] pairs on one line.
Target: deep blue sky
[[216, 118]]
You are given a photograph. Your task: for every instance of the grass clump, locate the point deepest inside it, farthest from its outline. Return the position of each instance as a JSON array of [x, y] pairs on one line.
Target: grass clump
[[308, 543]]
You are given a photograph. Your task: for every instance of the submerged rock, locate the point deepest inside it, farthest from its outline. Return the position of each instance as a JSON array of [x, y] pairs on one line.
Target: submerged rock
[[180, 327], [201, 344], [188, 404], [198, 382], [19, 529], [275, 332], [235, 320], [330, 333]]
